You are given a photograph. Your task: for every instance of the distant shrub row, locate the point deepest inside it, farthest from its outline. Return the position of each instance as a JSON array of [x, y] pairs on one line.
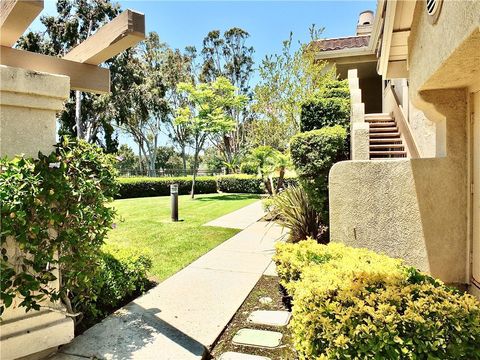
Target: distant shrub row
[[236, 183], [146, 186], [357, 304]]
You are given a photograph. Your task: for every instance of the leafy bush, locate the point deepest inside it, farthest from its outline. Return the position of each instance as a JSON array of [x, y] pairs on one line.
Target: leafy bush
[[313, 153], [248, 167], [249, 184], [292, 209], [354, 303], [328, 107], [121, 275], [54, 212], [240, 183], [147, 186]]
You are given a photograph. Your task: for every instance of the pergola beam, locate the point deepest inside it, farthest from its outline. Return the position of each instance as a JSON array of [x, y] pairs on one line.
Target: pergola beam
[[123, 32], [15, 17], [83, 77]]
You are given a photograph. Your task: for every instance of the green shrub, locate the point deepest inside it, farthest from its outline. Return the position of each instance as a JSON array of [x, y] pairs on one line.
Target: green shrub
[[248, 167], [240, 183], [292, 209], [354, 303], [329, 107], [313, 153], [249, 184], [147, 186], [121, 275], [54, 211]]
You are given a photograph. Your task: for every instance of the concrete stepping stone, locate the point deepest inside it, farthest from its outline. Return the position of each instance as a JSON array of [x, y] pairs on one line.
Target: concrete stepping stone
[[239, 356], [268, 317], [258, 338]]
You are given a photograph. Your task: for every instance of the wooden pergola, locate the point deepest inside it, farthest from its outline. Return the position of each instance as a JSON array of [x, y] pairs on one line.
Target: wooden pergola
[[81, 63]]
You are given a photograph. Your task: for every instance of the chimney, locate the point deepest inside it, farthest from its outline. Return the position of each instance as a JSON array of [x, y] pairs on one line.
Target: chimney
[[365, 22]]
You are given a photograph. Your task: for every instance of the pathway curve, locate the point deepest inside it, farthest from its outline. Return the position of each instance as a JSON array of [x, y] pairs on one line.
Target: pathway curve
[[182, 317]]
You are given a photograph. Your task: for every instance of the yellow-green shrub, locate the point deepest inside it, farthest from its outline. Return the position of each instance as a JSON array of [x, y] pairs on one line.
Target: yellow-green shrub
[[356, 304]]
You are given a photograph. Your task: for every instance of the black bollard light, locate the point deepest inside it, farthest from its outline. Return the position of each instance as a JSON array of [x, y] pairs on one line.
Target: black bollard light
[[174, 201]]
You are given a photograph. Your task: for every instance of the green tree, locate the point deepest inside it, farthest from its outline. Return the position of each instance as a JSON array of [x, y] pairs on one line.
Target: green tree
[[164, 153], [177, 67], [287, 80], [230, 57], [127, 160], [208, 113], [85, 115], [144, 107]]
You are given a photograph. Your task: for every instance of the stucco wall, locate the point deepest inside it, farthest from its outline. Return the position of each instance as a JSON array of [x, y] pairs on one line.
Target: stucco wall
[[414, 209], [29, 102], [424, 131], [431, 46]]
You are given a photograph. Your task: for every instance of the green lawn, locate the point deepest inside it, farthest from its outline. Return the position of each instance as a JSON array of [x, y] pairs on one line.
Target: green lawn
[[145, 223]]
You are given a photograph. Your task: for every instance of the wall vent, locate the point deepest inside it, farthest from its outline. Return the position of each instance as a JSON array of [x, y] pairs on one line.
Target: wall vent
[[433, 9]]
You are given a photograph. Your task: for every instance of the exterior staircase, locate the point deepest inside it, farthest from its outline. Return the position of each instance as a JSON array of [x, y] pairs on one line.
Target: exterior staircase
[[385, 138]]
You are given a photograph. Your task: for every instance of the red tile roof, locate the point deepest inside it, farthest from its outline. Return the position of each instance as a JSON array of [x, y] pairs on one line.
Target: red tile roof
[[341, 43]]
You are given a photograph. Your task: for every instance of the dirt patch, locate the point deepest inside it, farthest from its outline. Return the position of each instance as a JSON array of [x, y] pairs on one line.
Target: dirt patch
[[267, 286]]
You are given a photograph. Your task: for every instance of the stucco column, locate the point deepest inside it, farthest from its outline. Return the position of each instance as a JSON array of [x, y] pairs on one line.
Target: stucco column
[[29, 102]]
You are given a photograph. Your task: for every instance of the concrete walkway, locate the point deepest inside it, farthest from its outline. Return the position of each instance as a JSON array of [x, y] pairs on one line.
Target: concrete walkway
[[241, 218], [182, 317]]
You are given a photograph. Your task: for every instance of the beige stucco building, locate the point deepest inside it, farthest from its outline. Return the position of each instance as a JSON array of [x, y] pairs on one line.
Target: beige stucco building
[[412, 186]]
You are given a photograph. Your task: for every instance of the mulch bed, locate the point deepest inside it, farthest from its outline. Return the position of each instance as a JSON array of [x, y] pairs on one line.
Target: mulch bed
[[267, 286]]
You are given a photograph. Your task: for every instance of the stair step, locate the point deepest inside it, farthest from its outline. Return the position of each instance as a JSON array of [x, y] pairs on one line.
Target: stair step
[[387, 158], [382, 124], [377, 115], [386, 135], [386, 152], [383, 141], [385, 129], [383, 146]]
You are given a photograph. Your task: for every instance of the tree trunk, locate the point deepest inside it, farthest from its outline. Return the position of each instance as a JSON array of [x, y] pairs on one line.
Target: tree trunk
[[184, 160], [78, 114], [281, 177], [195, 160]]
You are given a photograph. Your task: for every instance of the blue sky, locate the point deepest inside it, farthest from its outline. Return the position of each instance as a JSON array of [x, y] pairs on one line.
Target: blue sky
[[182, 23]]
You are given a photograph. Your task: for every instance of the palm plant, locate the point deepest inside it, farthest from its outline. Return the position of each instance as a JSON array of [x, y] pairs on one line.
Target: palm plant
[[268, 161]]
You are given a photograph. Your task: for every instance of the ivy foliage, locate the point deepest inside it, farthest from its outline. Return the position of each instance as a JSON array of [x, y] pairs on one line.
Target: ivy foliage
[[55, 217], [313, 153]]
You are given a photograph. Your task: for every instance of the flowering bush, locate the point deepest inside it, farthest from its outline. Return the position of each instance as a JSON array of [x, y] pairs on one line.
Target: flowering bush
[[55, 217]]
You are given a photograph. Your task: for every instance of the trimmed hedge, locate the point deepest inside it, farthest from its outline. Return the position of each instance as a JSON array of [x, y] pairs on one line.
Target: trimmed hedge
[[357, 304], [250, 184], [313, 154], [146, 187], [235, 183]]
